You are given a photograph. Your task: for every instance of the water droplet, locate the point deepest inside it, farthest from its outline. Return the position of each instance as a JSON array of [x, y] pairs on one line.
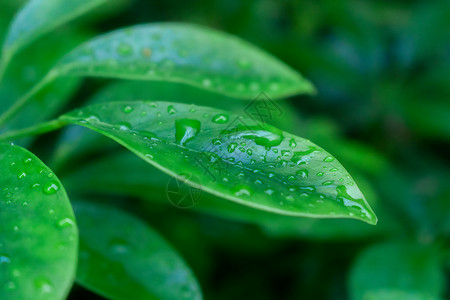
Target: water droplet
[[22, 175], [148, 155], [28, 160], [186, 130], [66, 222], [328, 159], [43, 285], [269, 192], [127, 109], [51, 187], [124, 126], [206, 82], [231, 147], [171, 110], [292, 143], [25, 203], [249, 151], [302, 173], [320, 174], [124, 49], [4, 259], [242, 190], [220, 119], [217, 142], [119, 246], [263, 135], [328, 182]]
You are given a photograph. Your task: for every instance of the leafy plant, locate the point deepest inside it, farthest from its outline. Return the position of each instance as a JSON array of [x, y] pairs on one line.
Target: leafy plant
[[184, 126]]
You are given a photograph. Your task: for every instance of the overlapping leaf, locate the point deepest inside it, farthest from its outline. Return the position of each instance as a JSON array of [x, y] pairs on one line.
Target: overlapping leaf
[[139, 264]]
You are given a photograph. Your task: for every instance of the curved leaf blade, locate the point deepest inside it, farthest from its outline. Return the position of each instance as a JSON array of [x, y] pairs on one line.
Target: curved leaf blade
[[112, 175], [231, 156], [397, 271], [185, 53], [146, 266], [38, 17], [38, 235]]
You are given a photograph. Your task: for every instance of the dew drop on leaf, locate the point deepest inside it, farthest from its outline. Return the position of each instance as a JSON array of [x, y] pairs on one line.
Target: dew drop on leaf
[[127, 109], [43, 285], [242, 190], [51, 188], [186, 130], [220, 118]]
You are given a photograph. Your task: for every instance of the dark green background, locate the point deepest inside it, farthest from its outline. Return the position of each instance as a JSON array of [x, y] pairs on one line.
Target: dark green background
[[382, 70]]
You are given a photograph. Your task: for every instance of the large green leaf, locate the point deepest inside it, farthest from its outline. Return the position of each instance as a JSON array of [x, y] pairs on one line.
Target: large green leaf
[[122, 258], [37, 18], [123, 173], [231, 156], [184, 53], [395, 271], [38, 235]]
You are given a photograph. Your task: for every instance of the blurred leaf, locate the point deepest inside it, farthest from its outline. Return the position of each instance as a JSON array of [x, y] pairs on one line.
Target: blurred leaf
[[231, 156], [37, 18], [121, 257], [30, 65], [38, 235], [184, 53], [397, 271], [112, 175]]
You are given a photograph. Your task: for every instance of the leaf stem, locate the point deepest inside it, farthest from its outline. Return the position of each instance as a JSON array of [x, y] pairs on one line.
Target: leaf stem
[[25, 98], [33, 130]]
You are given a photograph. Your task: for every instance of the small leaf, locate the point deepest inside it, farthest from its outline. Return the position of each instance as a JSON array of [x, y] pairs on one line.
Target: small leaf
[[231, 156], [38, 17], [395, 271], [38, 235], [185, 53], [121, 257]]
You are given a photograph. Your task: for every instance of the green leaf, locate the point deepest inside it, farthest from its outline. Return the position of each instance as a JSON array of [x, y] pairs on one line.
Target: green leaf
[[32, 64], [123, 173], [121, 257], [38, 235], [395, 271], [77, 141], [231, 156], [37, 18], [185, 53]]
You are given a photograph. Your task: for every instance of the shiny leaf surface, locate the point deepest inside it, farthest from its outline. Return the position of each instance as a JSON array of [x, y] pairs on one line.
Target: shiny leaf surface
[[38, 234], [231, 156]]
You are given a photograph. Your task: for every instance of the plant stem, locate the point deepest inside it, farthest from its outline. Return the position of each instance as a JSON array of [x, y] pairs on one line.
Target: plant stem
[[33, 130], [25, 98]]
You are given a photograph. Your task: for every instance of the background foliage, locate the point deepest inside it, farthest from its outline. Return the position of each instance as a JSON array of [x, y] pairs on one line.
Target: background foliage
[[382, 71]]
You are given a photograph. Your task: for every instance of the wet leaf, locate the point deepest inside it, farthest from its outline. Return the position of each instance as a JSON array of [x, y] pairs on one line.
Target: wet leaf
[[111, 175], [231, 156], [37, 18], [394, 271], [171, 52], [38, 235], [116, 247]]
